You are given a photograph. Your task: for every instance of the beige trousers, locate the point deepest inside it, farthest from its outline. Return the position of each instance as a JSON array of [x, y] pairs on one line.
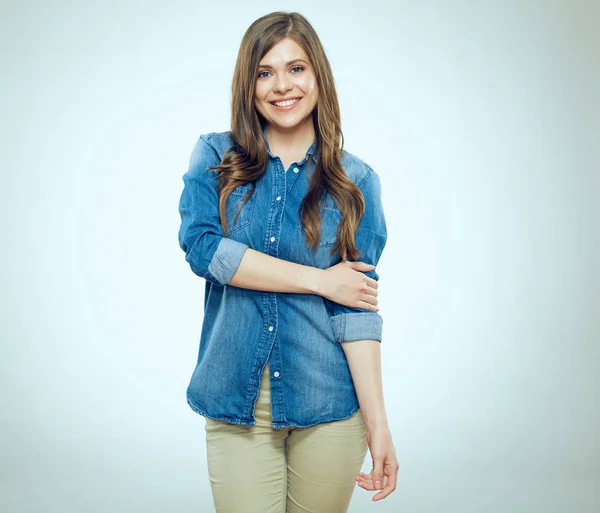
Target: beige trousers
[[258, 469]]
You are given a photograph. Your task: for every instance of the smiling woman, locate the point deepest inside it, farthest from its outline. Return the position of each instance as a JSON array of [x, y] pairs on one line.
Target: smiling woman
[[286, 95], [287, 227]]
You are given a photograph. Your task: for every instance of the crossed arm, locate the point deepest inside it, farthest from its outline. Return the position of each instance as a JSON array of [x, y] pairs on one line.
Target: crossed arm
[[225, 261], [264, 272]]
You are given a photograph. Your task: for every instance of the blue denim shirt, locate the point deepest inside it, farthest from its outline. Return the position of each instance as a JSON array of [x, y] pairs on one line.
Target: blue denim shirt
[[243, 329]]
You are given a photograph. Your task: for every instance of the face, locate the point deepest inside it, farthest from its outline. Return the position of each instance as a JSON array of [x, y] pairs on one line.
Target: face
[[284, 73]]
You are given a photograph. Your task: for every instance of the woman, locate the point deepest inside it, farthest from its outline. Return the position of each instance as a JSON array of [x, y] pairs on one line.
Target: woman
[[273, 213]]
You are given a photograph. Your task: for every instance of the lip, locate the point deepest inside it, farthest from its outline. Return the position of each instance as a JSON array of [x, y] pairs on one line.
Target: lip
[[285, 99], [289, 107]]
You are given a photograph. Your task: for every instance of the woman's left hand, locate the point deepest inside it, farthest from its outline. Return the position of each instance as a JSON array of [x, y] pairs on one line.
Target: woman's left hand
[[385, 464]]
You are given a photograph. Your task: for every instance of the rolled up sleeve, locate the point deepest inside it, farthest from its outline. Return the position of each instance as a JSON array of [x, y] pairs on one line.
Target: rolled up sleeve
[[209, 253], [350, 323]]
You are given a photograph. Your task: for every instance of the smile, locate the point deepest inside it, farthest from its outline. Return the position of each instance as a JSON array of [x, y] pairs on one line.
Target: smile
[[286, 103]]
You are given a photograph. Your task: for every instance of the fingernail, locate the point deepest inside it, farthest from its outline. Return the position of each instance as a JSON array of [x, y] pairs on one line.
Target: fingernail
[[377, 484]]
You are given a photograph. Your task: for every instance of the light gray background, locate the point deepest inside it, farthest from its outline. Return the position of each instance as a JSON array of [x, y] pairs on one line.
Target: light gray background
[[482, 120]]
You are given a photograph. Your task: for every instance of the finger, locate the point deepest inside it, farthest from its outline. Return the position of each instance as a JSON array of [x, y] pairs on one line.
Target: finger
[[369, 477], [368, 485], [370, 293], [390, 486], [377, 472], [368, 298], [387, 489], [366, 306], [363, 478], [365, 482]]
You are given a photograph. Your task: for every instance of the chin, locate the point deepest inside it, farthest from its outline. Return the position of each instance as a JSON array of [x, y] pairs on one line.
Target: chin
[[287, 126]]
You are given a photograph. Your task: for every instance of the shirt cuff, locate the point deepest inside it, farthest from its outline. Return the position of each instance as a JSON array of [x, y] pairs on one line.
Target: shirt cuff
[[226, 260], [357, 326]]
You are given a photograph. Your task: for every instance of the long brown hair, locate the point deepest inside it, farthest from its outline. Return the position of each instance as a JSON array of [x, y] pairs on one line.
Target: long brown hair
[[247, 159]]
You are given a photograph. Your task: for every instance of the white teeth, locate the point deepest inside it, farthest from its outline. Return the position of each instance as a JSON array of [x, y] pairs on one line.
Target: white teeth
[[286, 103]]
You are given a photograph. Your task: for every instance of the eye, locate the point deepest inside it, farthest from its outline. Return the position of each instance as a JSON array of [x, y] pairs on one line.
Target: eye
[[260, 73], [301, 68]]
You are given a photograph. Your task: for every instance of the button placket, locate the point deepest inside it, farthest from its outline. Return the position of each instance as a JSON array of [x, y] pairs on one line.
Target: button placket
[[273, 238]]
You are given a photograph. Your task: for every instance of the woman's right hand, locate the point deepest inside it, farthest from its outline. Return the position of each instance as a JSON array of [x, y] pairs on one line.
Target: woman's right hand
[[345, 283], [384, 474]]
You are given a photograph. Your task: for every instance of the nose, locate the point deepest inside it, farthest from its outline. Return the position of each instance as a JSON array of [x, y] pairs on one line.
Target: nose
[[282, 83]]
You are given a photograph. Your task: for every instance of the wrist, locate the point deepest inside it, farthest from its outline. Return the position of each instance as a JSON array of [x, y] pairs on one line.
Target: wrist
[[312, 280], [379, 423]]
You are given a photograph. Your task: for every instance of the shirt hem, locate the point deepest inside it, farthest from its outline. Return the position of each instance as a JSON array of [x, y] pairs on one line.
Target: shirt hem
[[274, 425], [324, 421], [229, 420]]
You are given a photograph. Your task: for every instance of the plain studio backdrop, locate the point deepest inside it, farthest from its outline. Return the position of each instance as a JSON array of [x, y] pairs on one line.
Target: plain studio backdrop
[[482, 120]]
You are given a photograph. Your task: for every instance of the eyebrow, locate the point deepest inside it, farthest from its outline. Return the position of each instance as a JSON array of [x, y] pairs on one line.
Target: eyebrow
[[286, 64]]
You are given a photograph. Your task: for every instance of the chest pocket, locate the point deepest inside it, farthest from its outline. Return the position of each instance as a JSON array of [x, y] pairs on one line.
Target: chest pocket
[[236, 198], [330, 219]]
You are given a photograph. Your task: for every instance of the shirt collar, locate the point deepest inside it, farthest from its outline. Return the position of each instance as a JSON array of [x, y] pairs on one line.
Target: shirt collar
[[312, 149]]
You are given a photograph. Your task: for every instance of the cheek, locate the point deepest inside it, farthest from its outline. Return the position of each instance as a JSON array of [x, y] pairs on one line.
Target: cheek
[[309, 86], [259, 101], [261, 92]]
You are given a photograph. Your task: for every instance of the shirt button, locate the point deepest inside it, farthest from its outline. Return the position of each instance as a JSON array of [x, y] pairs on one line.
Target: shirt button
[[272, 239], [270, 328], [278, 198], [276, 374], [295, 170]]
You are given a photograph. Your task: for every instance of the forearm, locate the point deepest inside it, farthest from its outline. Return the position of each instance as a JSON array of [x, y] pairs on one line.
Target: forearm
[[364, 360], [260, 271]]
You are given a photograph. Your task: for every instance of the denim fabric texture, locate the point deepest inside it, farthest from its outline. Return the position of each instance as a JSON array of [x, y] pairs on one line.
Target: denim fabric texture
[[299, 335]]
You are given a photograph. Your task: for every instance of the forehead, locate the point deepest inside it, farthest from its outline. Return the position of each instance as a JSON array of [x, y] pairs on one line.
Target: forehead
[[283, 53]]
